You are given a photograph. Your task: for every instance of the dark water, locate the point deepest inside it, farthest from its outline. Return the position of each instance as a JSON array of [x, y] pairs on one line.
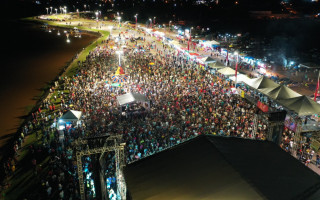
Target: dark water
[[31, 57]]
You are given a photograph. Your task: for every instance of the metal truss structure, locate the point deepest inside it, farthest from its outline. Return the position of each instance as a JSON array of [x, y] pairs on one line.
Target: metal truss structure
[[95, 145]]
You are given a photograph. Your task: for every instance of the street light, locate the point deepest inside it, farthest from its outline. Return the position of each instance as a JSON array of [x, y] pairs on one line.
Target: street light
[[154, 20], [189, 38], [110, 27], [56, 11], [68, 40], [237, 54], [150, 22], [136, 16], [47, 10], [119, 18], [50, 10], [119, 52], [97, 15]]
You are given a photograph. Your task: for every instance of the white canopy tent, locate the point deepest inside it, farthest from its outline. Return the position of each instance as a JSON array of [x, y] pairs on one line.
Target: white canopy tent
[[240, 78], [207, 60], [261, 83], [209, 43], [227, 71], [213, 42], [216, 65], [175, 43], [302, 105], [280, 93], [71, 115]]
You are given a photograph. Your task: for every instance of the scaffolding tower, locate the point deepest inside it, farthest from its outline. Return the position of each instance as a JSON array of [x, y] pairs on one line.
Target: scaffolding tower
[[95, 145], [255, 126]]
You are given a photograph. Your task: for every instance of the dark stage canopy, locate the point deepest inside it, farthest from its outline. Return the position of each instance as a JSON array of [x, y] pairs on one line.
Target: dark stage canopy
[[211, 167]]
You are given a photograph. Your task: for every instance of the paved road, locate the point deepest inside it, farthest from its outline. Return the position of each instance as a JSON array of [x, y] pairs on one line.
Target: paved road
[[275, 71]]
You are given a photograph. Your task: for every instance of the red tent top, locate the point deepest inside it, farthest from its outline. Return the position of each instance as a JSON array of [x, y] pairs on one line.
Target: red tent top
[[194, 54], [119, 71]]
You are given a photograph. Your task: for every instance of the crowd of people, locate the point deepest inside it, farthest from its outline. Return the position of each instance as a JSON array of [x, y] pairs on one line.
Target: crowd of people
[[185, 101]]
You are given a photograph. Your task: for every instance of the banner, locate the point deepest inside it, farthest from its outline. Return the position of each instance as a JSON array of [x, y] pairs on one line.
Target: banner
[[262, 106], [290, 124], [242, 93], [116, 84]]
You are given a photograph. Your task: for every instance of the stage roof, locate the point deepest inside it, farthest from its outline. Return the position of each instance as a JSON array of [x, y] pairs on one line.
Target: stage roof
[[71, 115], [211, 167], [131, 98]]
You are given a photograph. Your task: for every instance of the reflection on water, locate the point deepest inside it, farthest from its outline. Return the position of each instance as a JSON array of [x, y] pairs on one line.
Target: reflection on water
[[33, 57]]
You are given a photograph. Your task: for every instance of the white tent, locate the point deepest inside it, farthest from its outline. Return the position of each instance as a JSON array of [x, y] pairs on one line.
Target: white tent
[[240, 78], [175, 43], [213, 42], [71, 115], [209, 43], [207, 60], [216, 65], [301, 105], [227, 71], [262, 82], [131, 98], [280, 93]]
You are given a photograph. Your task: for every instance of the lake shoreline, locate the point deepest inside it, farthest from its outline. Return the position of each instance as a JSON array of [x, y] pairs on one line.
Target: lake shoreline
[[8, 139]]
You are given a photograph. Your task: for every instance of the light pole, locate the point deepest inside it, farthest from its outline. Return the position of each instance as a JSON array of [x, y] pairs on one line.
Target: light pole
[[78, 13], [236, 72], [169, 25], [136, 16], [189, 38], [110, 27], [85, 7], [119, 52], [119, 18], [96, 15], [60, 10], [65, 10], [56, 11], [50, 10], [47, 10], [150, 22], [154, 20]]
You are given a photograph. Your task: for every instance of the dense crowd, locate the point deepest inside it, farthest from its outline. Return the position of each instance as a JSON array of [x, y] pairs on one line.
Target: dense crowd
[[185, 101]]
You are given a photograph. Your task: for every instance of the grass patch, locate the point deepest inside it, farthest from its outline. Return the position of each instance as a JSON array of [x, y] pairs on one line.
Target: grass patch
[[23, 177]]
